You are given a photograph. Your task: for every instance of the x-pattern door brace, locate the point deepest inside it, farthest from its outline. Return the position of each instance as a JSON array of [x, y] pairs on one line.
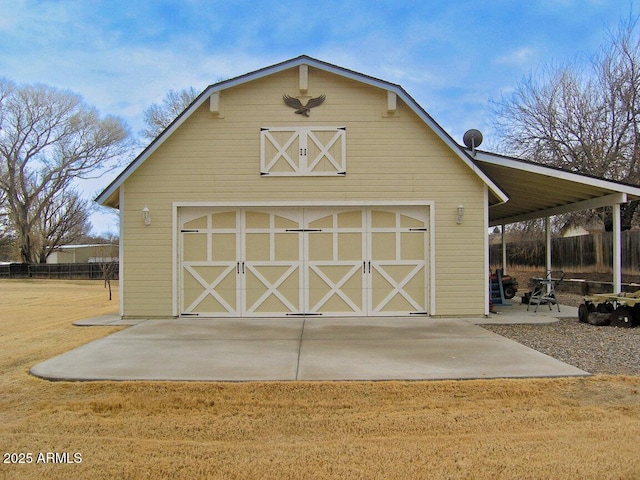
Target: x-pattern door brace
[[335, 288], [209, 288], [397, 287], [272, 288], [324, 151], [282, 152]]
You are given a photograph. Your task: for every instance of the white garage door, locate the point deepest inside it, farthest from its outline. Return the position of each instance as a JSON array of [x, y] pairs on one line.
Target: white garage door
[[303, 261]]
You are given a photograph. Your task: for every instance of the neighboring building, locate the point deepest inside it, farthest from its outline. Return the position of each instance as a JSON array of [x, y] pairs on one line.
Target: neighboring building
[[94, 253], [593, 226], [359, 204]]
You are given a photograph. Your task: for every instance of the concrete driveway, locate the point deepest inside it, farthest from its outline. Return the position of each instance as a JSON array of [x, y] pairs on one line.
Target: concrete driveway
[[249, 349]]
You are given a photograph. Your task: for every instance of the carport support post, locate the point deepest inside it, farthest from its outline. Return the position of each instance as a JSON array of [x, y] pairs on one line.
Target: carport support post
[[617, 249], [504, 250], [547, 227]]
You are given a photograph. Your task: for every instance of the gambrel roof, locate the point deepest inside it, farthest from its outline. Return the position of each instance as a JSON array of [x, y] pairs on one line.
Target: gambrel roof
[[109, 196]]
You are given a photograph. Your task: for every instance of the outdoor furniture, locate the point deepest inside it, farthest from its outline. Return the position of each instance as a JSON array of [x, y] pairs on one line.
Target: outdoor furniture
[[543, 290]]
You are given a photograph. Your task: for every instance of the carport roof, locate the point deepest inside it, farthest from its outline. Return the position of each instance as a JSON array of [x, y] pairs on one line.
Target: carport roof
[[537, 191]]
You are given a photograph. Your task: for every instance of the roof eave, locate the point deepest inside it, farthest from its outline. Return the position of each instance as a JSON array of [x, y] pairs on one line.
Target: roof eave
[[632, 192]]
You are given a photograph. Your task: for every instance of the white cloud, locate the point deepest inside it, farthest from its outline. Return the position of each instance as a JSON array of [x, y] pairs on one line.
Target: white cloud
[[518, 57]]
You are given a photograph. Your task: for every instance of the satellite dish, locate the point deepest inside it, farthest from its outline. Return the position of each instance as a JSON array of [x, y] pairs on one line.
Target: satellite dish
[[472, 139]]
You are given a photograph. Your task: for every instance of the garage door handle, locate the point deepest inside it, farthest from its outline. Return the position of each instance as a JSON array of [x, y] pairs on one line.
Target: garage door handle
[[238, 267]]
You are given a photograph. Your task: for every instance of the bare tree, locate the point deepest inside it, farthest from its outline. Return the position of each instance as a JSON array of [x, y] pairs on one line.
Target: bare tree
[[583, 117], [64, 220], [160, 115], [108, 260], [48, 139], [7, 239]]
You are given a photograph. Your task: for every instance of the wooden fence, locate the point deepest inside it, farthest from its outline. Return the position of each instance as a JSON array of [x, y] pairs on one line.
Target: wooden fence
[[585, 253], [68, 271]]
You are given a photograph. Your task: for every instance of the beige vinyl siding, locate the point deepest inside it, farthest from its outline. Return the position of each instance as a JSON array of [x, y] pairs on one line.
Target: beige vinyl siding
[[213, 158], [460, 251]]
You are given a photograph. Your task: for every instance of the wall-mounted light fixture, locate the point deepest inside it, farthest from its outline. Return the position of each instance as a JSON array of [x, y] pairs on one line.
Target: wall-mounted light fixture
[[460, 214], [146, 215]]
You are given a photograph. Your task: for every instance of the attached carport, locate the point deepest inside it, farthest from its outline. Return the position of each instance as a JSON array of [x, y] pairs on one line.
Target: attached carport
[[538, 191]]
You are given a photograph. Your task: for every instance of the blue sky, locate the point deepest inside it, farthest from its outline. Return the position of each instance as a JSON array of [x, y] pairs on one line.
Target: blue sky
[[453, 57]]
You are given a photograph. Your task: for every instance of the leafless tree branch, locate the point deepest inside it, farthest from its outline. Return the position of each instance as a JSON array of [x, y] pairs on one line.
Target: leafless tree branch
[[48, 139]]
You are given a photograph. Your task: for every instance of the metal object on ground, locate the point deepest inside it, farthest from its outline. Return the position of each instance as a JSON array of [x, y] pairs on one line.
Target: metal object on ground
[[543, 291], [618, 310]]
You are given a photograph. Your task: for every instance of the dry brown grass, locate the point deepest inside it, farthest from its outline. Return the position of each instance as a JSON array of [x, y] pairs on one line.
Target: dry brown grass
[[587, 428]]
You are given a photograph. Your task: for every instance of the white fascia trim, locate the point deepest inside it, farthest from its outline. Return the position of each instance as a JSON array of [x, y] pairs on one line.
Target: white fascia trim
[[133, 166], [517, 164], [502, 196], [309, 203], [426, 118], [597, 202]]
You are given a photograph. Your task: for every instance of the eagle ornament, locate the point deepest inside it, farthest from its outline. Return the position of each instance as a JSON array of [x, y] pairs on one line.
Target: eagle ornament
[[303, 109]]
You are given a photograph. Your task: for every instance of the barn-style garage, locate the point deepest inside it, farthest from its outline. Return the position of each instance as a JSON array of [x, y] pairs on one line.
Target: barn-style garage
[[303, 188]]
